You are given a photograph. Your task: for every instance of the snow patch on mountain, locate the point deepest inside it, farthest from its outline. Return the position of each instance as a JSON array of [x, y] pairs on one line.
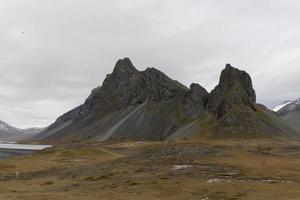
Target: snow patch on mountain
[[3, 127], [279, 107], [10, 133]]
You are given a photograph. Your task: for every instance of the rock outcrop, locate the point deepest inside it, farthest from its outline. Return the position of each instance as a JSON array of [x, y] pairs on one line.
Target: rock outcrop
[[234, 88], [127, 86], [195, 100]]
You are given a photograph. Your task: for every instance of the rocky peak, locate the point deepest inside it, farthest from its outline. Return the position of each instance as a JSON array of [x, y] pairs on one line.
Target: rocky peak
[[234, 88], [197, 92], [228, 65], [159, 86], [124, 66], [195, 100], [232, 77], [127, 86]]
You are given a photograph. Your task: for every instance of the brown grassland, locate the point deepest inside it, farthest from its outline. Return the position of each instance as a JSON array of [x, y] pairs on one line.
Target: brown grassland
[[228, 169]]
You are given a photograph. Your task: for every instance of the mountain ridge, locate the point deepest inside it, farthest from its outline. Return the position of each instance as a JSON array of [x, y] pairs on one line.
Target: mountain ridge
[[12, 134], [148, 104], [290, 112]]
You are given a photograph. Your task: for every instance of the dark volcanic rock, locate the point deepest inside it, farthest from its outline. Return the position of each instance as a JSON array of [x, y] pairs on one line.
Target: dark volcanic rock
[[128, 86], [123, 68], [235, 88], [195, 100], [134, 104], [158, 86], [129, 92]]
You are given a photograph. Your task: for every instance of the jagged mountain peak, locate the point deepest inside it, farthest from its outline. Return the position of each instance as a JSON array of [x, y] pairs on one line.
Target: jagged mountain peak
[[124, 88], [196, 98], [198, 92], [124, 66], [234, 88], [231, 77], [128, 86], [228, 65], [150, 105]]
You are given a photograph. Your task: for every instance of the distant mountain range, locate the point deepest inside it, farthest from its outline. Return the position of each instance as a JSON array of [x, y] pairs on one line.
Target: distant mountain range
[[290, 111], [133, 104], [10, 133]]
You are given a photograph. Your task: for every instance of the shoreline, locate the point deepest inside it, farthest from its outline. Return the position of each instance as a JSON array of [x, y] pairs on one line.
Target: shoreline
[[8, 153], [11, 150]]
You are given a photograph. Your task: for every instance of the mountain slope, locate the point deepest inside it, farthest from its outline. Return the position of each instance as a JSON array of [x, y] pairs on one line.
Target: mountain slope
[[148, 104], [10, 133], [290, 111], [130, 103]]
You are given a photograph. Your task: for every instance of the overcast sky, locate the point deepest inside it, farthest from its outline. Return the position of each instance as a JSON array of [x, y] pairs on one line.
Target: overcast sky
[[54, 52]]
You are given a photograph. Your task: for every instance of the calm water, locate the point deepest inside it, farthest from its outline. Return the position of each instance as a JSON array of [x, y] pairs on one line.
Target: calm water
[[9, 150]]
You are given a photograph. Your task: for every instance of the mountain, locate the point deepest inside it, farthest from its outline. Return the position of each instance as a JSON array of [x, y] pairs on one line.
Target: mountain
[[32, 131], [133, 104], [278, 107], [290, 111], [10, 133], [231, 111], [130, 103]]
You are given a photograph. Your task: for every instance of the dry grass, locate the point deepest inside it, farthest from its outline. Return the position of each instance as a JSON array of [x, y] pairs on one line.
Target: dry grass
[[211, 169]]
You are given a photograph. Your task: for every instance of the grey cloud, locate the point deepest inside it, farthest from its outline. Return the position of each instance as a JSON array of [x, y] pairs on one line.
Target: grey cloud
[[68, 47]]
